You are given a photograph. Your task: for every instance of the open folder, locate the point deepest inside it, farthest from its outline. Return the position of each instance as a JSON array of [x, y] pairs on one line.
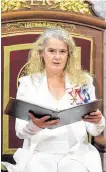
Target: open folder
[[21, 109]]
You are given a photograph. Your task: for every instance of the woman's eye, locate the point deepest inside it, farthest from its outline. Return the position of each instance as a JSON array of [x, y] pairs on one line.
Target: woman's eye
[[51, 51], [63, 51]]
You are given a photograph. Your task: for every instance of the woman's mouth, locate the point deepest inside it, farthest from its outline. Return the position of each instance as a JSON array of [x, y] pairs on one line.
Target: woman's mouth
[[56, 63]]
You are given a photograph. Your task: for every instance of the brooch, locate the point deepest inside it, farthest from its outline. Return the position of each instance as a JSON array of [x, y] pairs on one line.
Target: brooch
[[78, 95]]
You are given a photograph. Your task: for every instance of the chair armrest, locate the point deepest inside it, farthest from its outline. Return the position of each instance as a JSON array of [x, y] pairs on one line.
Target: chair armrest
[[100, 143]]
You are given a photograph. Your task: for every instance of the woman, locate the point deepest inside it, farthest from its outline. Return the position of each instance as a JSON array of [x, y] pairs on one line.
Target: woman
[[54, 80]]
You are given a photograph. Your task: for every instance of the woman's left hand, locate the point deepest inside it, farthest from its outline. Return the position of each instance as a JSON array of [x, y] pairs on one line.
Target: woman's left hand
[[93, 117]]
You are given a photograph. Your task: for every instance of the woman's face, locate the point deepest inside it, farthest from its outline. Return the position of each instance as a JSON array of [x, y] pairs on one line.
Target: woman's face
[[55, 55]]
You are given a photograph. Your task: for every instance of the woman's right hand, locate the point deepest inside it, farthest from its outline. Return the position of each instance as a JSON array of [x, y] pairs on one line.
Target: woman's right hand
[[42, 123]]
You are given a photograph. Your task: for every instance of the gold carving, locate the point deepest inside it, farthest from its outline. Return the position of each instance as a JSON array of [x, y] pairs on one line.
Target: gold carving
[[34, 24], [73, 5], [44, 2], [7, 5], [66, 5]]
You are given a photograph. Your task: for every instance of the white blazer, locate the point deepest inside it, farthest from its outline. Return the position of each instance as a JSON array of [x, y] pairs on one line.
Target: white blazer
[[71, 140]]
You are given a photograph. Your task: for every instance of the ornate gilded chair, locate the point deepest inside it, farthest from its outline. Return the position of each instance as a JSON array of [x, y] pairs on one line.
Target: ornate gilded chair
[[22, 22]]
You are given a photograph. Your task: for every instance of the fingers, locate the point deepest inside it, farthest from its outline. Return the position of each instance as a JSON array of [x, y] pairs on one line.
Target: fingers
[[94, 117], [53, 122], [42, 121], [97, 113], [91, 117], [92, 120]]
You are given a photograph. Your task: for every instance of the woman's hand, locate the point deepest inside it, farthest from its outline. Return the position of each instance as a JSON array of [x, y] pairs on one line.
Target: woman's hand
[[42, 123], [93, 117]]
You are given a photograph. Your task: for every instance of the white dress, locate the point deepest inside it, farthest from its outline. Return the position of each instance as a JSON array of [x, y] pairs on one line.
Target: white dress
[[63, 149]]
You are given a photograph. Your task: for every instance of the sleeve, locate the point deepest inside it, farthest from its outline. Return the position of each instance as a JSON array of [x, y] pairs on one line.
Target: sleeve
[[94, 129], [24, 129]]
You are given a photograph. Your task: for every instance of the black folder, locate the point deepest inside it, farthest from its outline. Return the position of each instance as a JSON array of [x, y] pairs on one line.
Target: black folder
[[21, 109]]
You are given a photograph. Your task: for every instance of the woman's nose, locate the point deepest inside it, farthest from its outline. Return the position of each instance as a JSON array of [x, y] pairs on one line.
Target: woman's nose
[[58, 55]]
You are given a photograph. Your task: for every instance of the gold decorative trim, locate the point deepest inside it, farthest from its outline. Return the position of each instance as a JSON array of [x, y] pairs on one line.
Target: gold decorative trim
[[7, 50], [19, 74], [72, 5], [6, 95], [20, 33], [8, 5], [91, 52], [39, 24], [80, 6]]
